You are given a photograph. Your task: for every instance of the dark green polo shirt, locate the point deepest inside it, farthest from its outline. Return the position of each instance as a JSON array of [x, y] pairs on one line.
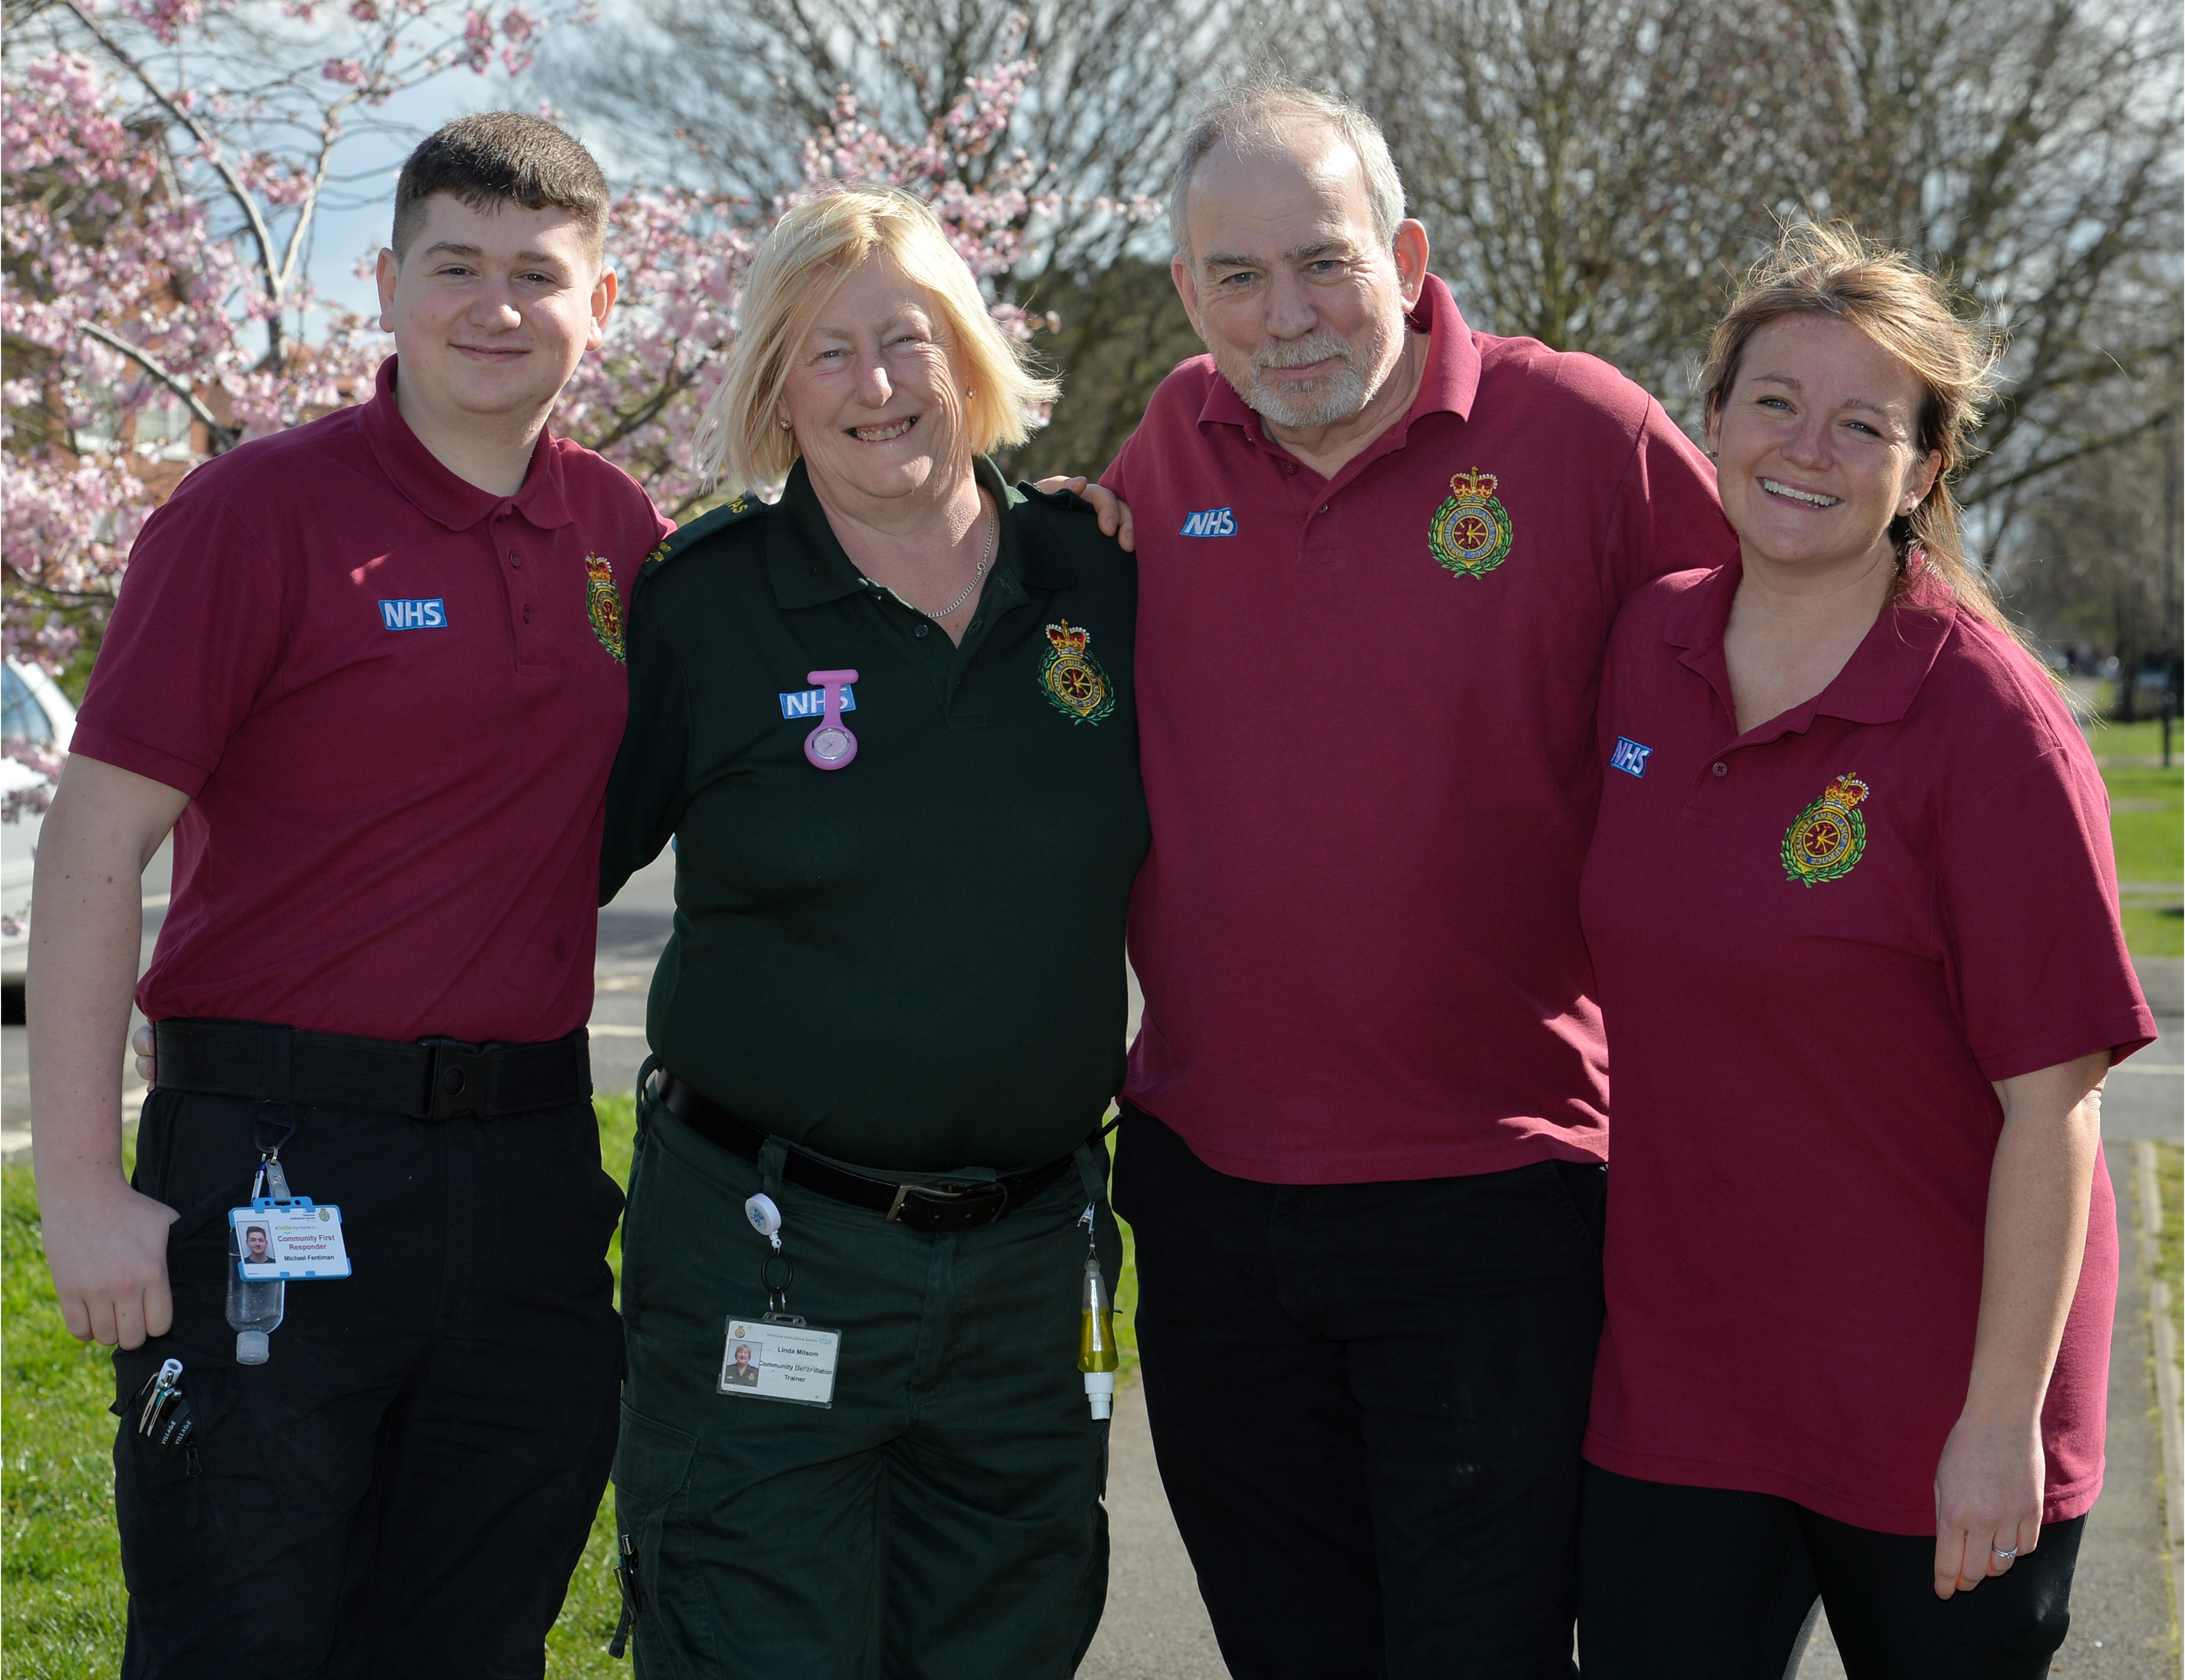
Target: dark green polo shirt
[[915, 961]]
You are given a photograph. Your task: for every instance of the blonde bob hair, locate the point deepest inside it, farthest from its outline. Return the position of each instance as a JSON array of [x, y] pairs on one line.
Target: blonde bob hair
[[811, 252], [1927, 324]]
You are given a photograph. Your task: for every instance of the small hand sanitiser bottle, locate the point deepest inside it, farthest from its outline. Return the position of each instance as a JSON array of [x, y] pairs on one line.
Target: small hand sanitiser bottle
[[254, 1306], [1095, 1341]]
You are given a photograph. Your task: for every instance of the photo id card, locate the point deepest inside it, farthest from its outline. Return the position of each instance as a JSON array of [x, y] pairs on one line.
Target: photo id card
[[288, 1240], [770, 1360]]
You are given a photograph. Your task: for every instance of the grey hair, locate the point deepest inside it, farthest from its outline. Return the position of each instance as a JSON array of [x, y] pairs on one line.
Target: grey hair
[[1246, 117]]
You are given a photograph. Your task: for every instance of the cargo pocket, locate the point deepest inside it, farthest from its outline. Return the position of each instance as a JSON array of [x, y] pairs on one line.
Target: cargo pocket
[[179, 1518], [673, 1626]]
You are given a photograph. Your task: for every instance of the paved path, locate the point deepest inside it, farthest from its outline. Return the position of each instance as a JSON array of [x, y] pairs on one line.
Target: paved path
[[1155, 1627]]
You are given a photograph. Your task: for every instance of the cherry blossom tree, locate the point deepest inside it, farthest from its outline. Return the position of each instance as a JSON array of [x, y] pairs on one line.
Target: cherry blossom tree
[[164, 165], [681, 254], [166, 162]]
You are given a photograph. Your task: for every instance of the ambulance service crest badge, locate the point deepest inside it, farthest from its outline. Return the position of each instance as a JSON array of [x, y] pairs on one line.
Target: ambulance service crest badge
[[1829, 835], [1073, 679], [606, 605], [1471, 532]]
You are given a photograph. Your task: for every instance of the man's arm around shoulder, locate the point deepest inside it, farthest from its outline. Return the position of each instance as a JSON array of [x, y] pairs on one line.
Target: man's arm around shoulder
[[107, 1245]]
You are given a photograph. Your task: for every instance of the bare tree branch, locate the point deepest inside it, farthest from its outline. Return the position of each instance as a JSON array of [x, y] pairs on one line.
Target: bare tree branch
[[223, 437]]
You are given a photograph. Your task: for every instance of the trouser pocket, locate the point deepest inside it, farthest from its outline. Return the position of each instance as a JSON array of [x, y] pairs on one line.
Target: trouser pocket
[[184, 1517], [672, 1626]]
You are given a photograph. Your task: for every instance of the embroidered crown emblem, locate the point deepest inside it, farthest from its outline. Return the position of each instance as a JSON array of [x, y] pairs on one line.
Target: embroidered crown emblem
[[1072, 678], [605, 605], [1829, 836], [1471, 532]]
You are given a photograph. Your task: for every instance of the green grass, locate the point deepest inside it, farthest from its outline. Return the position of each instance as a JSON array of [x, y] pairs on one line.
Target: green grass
[[2139, 740], [575, 1645], [2147, 823], [2150, 844], [62, 1606], [2158, 932]]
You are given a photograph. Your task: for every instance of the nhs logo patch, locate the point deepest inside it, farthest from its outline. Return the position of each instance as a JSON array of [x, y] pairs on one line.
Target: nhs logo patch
[[812, 702], [1629, 757], [414, 615], [1214, 522]]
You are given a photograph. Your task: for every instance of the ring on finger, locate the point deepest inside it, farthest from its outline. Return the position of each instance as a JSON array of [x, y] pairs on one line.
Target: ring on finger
[[2005, 1556]]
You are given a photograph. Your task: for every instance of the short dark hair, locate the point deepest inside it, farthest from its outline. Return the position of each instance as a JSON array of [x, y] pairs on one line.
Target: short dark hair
[[493, 158]]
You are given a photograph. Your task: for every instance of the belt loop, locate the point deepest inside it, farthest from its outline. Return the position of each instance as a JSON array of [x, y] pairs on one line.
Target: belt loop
[[772, 1155], [272, 1071]]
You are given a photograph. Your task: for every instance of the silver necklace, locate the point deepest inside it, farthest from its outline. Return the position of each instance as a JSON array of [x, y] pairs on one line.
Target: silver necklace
[[993, 531]]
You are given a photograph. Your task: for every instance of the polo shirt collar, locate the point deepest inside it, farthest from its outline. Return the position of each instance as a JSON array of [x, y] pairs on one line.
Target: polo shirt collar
[[438, 493], [807, 567], [1448, 385], [1877, 683]]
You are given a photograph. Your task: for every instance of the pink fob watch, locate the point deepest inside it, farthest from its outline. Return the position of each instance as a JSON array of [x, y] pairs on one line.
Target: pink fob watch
[[831, 745]]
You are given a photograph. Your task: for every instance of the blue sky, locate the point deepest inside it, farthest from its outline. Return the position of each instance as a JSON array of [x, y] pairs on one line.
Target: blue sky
[[354, 217]]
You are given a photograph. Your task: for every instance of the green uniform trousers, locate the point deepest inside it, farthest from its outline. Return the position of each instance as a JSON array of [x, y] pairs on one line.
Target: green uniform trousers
[[942, 1518]]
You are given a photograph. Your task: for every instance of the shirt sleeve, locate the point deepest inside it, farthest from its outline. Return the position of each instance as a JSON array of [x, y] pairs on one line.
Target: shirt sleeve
[[647, 792], [1667, 518], [2028, 896], [1117, 476], [194, 643]]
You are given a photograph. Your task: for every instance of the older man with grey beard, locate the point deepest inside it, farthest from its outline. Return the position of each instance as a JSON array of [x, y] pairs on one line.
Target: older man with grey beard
[[1380, 553]]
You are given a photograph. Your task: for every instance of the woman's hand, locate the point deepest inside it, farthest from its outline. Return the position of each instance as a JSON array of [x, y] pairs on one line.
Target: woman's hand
[[1987, 1498], [1114, 515], [1989, 1485]]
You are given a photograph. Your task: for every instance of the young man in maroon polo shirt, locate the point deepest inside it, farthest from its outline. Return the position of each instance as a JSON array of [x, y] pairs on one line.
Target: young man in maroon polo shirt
[[1379, 556], [369, 672]]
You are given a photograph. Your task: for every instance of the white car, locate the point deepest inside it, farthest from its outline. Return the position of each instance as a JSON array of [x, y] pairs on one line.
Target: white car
[[33, 707]]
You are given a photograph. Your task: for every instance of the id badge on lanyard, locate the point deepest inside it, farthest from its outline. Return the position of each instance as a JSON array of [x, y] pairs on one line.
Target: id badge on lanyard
[[280, 1237], [776, 1355]]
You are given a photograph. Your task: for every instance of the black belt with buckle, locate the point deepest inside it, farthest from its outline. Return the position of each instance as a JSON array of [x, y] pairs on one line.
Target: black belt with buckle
[[433, 1079], [935, 1208]]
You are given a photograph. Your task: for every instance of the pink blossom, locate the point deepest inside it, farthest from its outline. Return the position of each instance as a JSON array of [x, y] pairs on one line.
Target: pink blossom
[[108, 239], [478, 40]]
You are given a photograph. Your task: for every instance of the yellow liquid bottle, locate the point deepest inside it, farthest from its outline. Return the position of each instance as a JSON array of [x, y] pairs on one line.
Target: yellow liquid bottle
[[1095, 1341]]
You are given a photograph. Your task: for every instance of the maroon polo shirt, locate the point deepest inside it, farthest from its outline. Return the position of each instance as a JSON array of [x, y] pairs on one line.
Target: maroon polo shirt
[[1818, 942], [1366, 719], [393, 699]]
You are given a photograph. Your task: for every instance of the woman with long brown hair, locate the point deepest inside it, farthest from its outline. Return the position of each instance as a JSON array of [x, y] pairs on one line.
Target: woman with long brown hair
[[1853, 907]]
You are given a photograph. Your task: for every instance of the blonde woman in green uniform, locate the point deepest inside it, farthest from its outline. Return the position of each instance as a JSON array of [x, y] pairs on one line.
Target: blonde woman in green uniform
[[888, 722]]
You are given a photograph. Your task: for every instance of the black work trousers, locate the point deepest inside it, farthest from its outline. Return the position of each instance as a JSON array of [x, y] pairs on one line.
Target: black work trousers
[[1716, 1583], [405, 1486], [1366, 1401]]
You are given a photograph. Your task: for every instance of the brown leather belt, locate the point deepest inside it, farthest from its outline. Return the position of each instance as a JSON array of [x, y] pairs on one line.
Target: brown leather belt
[[936, 1208]]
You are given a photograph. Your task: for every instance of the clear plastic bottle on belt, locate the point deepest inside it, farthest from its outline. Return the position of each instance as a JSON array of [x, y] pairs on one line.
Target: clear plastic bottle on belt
[[254, 1309]]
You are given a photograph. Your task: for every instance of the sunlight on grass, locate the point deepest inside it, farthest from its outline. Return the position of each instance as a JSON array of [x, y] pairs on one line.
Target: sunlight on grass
[[2146, 821]]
